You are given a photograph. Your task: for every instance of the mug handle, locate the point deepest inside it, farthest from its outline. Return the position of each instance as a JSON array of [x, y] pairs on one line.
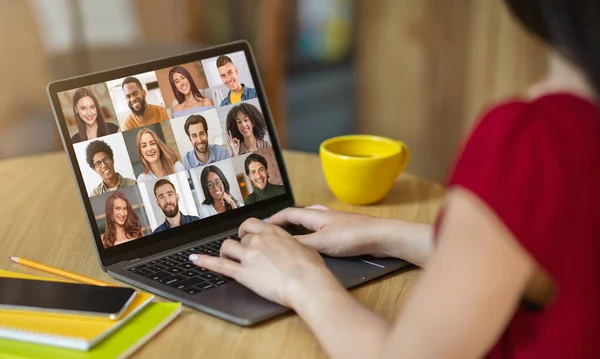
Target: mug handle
[[405, 156]]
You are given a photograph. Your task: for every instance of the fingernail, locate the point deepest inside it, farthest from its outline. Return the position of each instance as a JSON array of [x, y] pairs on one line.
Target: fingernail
[[193, 257]]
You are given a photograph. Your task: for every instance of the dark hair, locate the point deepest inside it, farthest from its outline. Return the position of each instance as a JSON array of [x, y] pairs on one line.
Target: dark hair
[[97, 147], [168, 157], [132, 226], [134, 80], [102, 127], [178, 95], [223, 60], [162, 182], [572, 27], [259, 126], [194, 120], [254, 158], [204, 179]]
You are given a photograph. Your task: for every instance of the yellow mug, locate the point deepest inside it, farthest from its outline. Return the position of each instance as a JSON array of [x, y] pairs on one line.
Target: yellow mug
[[361, 169]]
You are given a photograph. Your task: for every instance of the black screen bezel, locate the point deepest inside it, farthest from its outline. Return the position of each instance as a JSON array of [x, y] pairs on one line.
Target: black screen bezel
[[155, 243]]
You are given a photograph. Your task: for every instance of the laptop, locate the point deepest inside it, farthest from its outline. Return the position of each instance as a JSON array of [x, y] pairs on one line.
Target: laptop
[[170, 157]]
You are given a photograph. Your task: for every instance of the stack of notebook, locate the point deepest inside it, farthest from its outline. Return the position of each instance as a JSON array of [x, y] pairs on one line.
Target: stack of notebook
[[34, 335]]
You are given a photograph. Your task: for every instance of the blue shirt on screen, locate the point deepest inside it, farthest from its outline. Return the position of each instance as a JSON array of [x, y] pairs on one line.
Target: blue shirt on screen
[[247, 94], [217, 153]]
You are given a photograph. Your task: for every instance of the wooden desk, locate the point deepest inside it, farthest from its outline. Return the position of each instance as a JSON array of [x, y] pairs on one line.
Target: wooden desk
[[42, 219]]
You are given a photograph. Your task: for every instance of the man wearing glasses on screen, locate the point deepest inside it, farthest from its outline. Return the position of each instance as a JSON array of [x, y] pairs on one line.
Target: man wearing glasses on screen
[[99, 157]]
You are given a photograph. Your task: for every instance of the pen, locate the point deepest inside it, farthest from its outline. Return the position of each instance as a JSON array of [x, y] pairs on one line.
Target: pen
[[60, 272]]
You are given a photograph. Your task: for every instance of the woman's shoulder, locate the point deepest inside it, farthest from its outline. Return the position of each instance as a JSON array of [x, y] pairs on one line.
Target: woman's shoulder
[[112, 128], [520, 137], [178, 107], [76, 138], [146, 177], [179, 166], [206, 210], [532, 106], [541, 117]]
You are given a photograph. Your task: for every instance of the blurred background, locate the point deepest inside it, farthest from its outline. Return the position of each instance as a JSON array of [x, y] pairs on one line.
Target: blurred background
[[416, 70]]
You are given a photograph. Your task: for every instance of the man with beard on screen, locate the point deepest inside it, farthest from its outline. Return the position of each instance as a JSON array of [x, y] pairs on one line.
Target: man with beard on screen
[[168, 201], [196, 129], [142, 113]]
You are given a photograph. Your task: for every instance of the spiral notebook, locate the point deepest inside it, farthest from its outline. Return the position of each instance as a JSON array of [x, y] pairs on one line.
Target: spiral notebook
[[66, 331]]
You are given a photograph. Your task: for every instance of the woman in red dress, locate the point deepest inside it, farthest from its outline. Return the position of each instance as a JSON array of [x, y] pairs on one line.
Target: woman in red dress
[[512, 268]]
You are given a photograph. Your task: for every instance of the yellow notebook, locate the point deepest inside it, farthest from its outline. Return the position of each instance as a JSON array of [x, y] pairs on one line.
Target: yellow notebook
[[122, 343], [67, 331]]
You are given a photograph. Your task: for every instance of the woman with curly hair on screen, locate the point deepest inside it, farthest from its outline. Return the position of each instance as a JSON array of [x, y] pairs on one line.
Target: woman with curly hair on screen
[[122, 223], [186, 92], [246, 129], [158, 159]]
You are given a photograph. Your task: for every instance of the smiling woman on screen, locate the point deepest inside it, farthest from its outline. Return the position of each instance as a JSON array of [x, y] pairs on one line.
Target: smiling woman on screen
[[186, 92], [89, 117], [158, 159], [122, 223], [217, 195], [246, 129]]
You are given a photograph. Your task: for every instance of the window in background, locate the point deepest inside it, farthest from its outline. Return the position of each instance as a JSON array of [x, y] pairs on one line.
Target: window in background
[[320, 82]]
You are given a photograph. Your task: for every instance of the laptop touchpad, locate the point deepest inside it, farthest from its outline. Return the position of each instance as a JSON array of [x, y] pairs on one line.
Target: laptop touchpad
[[352, 271]]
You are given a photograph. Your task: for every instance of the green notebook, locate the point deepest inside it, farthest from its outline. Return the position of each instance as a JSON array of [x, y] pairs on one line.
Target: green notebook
[[120, 344]]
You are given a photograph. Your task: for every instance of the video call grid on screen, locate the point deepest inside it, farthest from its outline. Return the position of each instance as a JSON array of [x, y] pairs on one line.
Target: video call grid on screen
[[181, 143]]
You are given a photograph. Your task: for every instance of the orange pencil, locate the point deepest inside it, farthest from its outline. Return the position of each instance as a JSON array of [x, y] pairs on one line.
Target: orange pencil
[[60, 272]]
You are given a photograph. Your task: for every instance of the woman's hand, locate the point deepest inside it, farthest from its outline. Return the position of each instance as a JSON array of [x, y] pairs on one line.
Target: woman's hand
[[336, 233], [227, 199], [343, 234], [272, 263], [234, 143]]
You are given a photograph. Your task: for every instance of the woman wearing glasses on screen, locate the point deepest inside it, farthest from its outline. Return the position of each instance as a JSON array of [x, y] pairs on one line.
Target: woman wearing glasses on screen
[[158, 159], [246, 129], [122, 223], [186, 92], [88, 114], [217, 198]]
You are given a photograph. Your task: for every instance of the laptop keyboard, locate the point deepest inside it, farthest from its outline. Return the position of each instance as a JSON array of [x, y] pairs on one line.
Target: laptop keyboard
[[176, 271]]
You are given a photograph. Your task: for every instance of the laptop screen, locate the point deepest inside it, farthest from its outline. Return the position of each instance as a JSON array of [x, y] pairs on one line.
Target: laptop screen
[[172, 147]]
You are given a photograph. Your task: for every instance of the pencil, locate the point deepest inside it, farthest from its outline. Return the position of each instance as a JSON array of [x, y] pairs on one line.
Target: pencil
[[60, 272]]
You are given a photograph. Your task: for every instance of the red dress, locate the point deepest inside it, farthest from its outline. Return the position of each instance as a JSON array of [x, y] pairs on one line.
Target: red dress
[[537, 166]]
